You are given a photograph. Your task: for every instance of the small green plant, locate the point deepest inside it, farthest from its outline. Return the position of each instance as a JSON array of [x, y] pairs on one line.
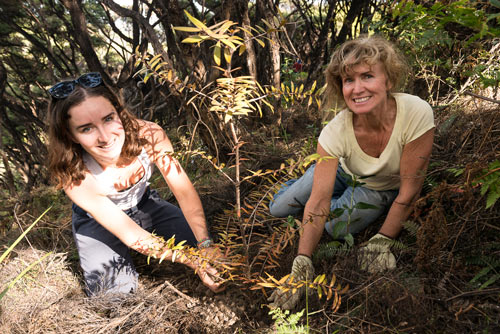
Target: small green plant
[[286, 323], [490, 263], [344, 225], [28, 268], [490, 183]]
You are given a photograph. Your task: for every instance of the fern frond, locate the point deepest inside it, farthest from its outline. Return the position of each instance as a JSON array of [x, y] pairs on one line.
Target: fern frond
[[332, 249], [411, 227]]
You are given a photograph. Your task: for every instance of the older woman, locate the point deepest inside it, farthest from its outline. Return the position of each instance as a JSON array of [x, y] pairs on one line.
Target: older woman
[[382, 136]]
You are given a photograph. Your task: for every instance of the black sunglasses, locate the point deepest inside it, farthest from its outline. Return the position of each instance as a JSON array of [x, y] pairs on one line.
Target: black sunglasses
[[62, 89]]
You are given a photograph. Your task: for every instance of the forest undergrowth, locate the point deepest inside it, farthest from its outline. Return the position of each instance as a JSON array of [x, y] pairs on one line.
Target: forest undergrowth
[[447, 277]]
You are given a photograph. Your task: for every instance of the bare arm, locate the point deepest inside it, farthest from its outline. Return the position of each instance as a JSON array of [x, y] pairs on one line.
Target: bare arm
[[88, 196], [160, 150], [318, 205], [413, 167]]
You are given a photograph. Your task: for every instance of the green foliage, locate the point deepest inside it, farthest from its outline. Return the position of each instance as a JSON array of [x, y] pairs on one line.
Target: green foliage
[[441, 41], [411, 227], [286, 323], [331, 249], [490, 263], [490, 183]]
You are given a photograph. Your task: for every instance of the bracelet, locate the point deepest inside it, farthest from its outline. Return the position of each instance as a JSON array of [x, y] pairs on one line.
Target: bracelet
[[205, 242]]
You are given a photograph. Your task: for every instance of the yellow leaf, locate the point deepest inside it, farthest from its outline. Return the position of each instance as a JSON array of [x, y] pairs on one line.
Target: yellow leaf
[[283, 279], [187, 29], [195, 21], [217, 54], [332, 282], [227, 55], [241, 50], [261, 42], [313, 87], [229, 43], [329, 295], [321, 279], [146, 78], [192, 39]]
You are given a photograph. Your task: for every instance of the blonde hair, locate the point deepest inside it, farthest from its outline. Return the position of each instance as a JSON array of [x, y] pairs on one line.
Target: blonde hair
[[362, 50]]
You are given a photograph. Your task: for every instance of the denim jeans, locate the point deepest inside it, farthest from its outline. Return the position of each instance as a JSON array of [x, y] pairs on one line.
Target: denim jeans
[[105, 260], [293, 195]]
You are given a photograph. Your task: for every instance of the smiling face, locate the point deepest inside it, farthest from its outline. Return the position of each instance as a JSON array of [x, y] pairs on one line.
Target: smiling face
[[365, 88], [96, 126]]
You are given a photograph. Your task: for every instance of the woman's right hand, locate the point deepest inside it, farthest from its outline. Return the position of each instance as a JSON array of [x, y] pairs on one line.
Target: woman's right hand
[[210, 278], [208, 274]]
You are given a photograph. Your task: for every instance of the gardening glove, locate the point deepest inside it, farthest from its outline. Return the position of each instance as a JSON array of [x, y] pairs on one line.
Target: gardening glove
[[376, 256], [302, 269]]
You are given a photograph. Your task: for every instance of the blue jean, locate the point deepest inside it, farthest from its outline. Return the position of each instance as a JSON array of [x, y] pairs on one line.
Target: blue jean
[[105, 260], [293, 195]]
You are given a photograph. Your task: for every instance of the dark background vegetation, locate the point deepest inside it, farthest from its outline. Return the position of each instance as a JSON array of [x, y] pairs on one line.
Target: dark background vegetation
[[448, 276]]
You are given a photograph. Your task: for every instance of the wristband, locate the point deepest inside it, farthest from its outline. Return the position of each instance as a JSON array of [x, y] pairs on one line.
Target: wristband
[[205, 242]]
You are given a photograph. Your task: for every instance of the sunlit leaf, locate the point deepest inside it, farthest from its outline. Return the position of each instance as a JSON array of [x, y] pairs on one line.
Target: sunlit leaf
[[187, 29], [217, 51], [193, 39], [195, 21], [227, 55]]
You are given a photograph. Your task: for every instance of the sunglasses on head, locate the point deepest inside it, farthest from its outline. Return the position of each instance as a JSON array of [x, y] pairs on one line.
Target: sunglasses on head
[[62, 89]]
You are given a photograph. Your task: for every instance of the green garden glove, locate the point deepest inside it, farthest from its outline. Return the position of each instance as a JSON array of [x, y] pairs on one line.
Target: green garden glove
[[302, 269], [376, 256]]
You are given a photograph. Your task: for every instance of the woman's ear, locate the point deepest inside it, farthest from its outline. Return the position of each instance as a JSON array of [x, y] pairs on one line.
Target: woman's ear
[[389, 85]]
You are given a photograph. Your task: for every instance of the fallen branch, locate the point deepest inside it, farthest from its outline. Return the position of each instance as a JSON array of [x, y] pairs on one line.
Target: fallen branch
[[481, 97]]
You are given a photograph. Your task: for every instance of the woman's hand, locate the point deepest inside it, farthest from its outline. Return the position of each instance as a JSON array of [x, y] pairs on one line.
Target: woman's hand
[[211, 279], [208, 274]]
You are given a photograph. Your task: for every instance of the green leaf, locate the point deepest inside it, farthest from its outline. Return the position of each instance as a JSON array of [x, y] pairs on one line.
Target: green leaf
[[491, 199], [349, 239], [339, 227], [495, 3], [365, 206]]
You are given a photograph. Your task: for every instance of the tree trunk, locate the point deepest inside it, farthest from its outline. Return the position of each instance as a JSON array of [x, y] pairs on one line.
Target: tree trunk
[[251, 58], [267, 8], [83, 38]]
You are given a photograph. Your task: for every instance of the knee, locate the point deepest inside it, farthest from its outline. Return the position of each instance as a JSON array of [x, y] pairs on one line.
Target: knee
[[276, 210]]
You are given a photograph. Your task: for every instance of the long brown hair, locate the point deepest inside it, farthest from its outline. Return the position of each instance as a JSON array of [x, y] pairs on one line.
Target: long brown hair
[[66, 164], [364, 49]]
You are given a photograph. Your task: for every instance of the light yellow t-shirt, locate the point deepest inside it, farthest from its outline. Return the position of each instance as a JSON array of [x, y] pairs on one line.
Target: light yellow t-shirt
[[414, 117]]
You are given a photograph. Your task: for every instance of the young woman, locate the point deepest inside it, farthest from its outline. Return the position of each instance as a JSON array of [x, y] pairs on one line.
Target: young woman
[[383, 136], [102, 157]]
